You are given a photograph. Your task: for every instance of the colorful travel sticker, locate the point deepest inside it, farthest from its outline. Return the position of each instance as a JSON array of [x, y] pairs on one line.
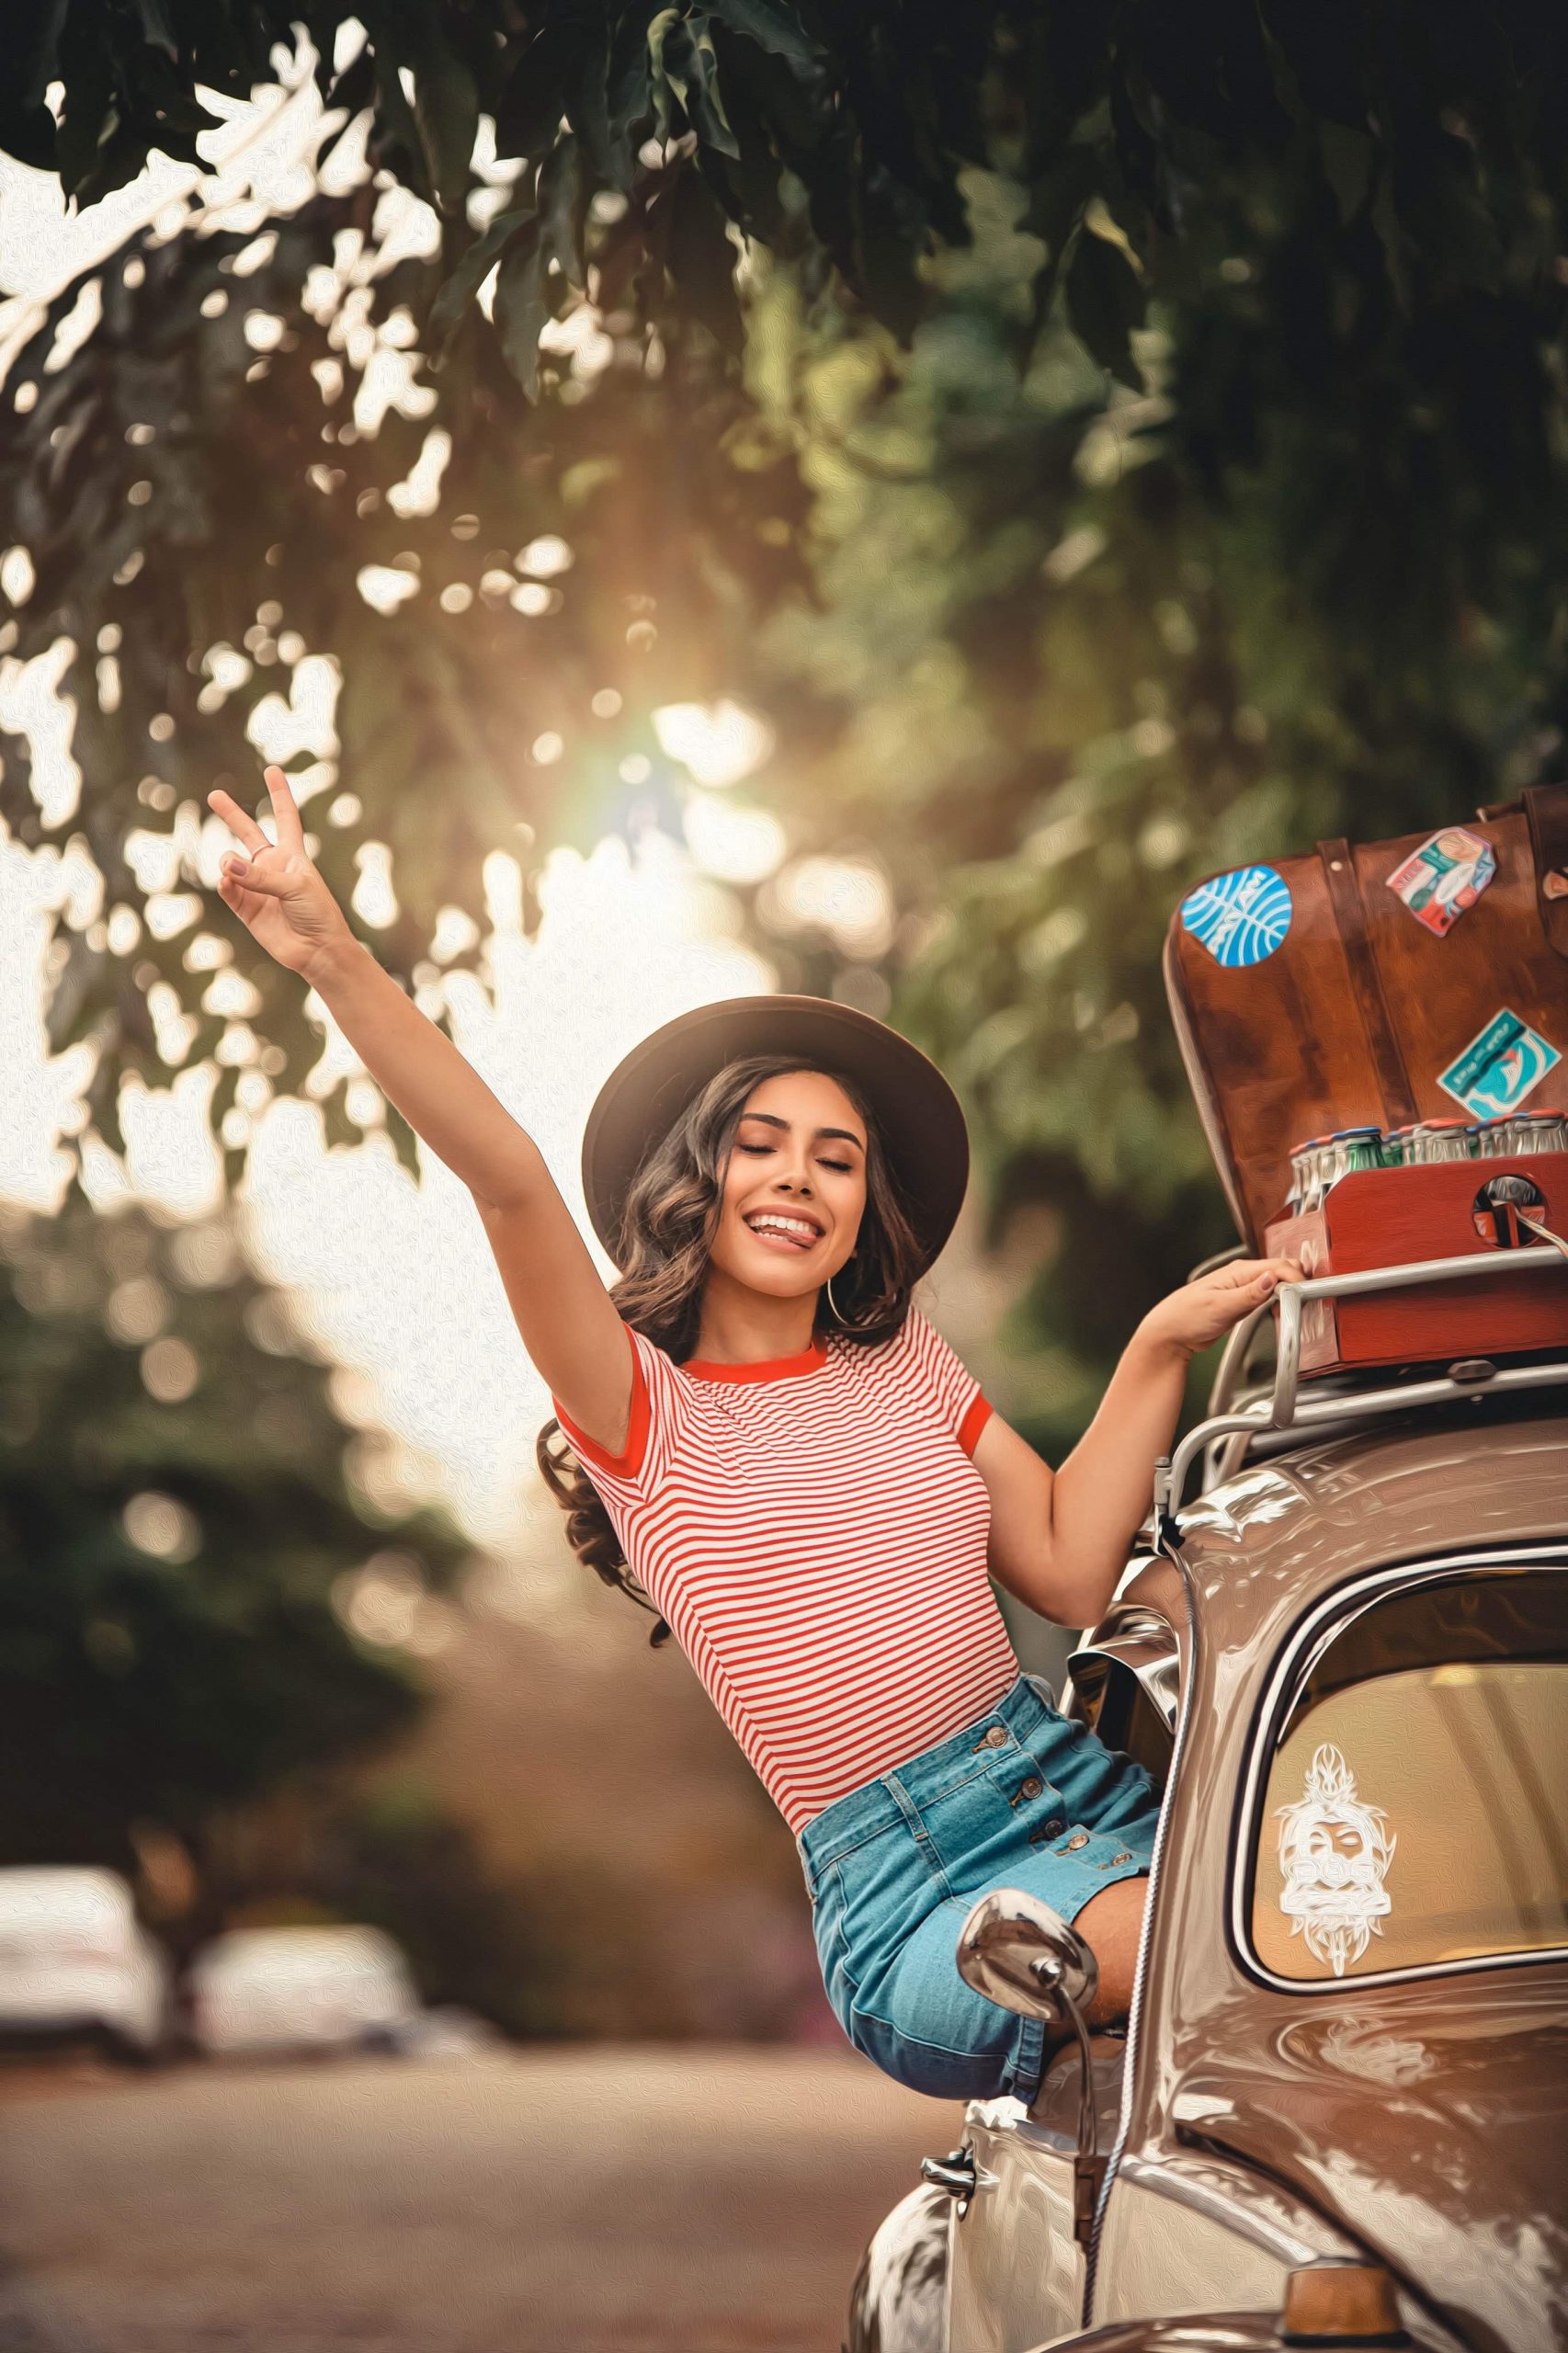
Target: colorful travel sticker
[[1498, 1068], [1443, 877], [1240, 917], [1335, 1852]]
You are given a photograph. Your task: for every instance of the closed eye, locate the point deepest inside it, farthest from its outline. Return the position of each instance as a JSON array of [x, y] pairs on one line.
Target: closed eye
[[846, 1167]]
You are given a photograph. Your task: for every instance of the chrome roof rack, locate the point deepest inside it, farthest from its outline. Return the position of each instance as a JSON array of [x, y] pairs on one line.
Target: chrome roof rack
[[1226, 1434]]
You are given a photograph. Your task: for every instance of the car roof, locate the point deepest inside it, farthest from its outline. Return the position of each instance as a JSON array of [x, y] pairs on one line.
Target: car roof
[[65, 1889], [326, 1940], [1282, 1532]]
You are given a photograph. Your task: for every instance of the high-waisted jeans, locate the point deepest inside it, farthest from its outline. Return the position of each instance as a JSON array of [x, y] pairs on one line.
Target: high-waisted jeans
[[1019, 1798]]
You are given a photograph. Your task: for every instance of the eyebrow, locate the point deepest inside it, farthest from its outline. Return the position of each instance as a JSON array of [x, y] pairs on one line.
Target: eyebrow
[[768, 1118]]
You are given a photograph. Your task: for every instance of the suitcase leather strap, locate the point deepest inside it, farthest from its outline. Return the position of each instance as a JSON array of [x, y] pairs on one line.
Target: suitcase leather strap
[[1382, 1043], [1546, 806]]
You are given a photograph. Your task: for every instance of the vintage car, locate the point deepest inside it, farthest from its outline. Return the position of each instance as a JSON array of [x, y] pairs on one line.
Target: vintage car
[[76, 1964], [1337, 2113], [300, 1989]]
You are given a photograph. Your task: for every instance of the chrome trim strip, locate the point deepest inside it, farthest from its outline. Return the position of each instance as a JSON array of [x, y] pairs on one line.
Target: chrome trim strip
[[1408, 1275], [1291, 1669], [1158, 2177]]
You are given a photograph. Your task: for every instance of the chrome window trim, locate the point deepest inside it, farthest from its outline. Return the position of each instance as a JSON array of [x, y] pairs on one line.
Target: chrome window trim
[[1296, 1658]]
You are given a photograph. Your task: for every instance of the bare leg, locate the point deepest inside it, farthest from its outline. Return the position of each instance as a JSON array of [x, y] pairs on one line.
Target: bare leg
[[1110, 1924]]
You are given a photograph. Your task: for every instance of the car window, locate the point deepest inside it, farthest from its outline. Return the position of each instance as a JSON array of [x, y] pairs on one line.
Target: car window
[[1415, 1807]]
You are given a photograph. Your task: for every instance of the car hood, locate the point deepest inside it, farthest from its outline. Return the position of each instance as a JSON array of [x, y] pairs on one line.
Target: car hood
[[1429, 2123]]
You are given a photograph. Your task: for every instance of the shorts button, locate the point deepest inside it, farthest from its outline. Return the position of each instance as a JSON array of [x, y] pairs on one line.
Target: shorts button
[[1053, 1829], [1079, 1838], [1031, 1787], [997, 1737]]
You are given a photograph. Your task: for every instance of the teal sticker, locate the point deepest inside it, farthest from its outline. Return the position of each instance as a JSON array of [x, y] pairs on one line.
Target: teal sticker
[[1498, 1069], [1240, 917]]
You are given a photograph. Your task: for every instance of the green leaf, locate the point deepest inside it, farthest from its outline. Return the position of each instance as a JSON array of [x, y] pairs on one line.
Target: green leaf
[[396, 121], [458, 291], [88, 118], [353, 91], [1348, 160], [1105, 299], [1391, 236], [587, 108], [538, 90], [692, 72], [446, 107], [158, 25], [746, 186], [521, 308], [773, 27], [560, 207], [663, 25], [28, 133], [628, 101], [702, 261], [1057, 199], [117, 162]]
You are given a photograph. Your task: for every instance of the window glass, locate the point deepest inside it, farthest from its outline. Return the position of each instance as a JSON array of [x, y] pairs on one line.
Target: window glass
[[1417, 1807]]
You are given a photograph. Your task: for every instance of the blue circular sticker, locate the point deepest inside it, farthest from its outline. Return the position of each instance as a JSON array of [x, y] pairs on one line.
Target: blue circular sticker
[[1240, 917]]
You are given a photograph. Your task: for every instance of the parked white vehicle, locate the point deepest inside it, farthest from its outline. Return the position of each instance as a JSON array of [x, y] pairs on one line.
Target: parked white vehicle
[[76, 1961], [299, 1989]]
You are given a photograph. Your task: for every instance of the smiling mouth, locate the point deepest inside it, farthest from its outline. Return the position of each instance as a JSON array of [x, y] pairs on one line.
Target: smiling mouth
[[784, 1232]]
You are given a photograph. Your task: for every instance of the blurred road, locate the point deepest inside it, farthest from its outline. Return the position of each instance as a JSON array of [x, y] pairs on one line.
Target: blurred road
[[591, 2201]]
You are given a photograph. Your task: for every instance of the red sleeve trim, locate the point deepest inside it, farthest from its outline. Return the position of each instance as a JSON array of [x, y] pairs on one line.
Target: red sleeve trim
[[627, 1464], [973, 1422]]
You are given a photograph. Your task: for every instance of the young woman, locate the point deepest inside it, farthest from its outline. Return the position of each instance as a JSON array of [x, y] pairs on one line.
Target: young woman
[[772, 1446]]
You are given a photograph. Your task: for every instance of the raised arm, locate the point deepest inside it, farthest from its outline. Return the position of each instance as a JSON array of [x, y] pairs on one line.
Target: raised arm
[[1060, 1540], [568, 1323]]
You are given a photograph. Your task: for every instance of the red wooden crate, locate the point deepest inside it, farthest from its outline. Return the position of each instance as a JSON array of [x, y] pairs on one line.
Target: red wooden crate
[[1387, 1216]]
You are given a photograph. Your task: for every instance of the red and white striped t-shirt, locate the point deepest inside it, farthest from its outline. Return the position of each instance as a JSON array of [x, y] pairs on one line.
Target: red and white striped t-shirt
[[816, 1532]]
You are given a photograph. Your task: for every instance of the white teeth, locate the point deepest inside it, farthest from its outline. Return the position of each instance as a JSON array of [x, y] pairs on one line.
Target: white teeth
[[792, 1226]]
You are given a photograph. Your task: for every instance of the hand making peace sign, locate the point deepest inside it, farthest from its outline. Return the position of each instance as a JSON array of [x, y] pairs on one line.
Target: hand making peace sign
[[278, 894]]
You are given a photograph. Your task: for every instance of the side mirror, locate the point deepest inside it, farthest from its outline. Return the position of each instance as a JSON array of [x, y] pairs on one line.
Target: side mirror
[[1023, 1957]]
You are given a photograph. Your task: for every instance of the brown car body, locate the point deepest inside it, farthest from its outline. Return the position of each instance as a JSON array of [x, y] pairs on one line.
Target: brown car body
[[1411, 2120]]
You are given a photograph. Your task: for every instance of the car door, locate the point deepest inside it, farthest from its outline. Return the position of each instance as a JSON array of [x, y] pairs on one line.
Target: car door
[[1015, 2277]]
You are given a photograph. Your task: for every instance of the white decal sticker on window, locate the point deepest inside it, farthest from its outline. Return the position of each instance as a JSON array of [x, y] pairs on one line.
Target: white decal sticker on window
[[1334, 1851]]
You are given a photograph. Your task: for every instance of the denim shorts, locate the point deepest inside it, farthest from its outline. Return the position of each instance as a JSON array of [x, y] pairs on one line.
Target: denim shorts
[[1019, 1798]]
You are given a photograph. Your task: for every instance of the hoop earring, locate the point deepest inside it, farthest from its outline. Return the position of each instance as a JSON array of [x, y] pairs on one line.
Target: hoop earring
[[839, 1316]]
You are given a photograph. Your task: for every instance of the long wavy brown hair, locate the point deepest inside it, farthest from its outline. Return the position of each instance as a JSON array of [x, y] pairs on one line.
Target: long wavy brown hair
[[668, 1226]]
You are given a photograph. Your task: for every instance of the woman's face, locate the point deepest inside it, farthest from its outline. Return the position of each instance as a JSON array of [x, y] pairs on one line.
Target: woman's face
[[794, 1186]]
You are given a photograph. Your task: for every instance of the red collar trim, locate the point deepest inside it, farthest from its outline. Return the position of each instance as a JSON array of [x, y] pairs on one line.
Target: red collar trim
[[772, 1369]]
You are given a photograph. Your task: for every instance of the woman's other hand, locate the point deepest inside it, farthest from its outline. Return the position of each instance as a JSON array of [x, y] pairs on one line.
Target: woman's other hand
[[1201, 1313], [273, 887]]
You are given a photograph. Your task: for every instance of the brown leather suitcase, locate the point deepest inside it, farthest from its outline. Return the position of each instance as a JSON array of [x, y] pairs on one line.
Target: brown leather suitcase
[[1312, 996]]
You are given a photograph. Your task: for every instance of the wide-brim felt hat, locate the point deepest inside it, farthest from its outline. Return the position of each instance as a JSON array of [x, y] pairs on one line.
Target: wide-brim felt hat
[[919, 1119]]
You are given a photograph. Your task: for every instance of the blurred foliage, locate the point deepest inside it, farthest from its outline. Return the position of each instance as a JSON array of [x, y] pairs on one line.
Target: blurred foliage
[[196, 602], [1070, 654], [836, 132], [175, 1511], [1110, 445]]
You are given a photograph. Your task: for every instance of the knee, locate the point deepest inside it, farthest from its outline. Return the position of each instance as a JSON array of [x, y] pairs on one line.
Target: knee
[[1111, 1924]]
